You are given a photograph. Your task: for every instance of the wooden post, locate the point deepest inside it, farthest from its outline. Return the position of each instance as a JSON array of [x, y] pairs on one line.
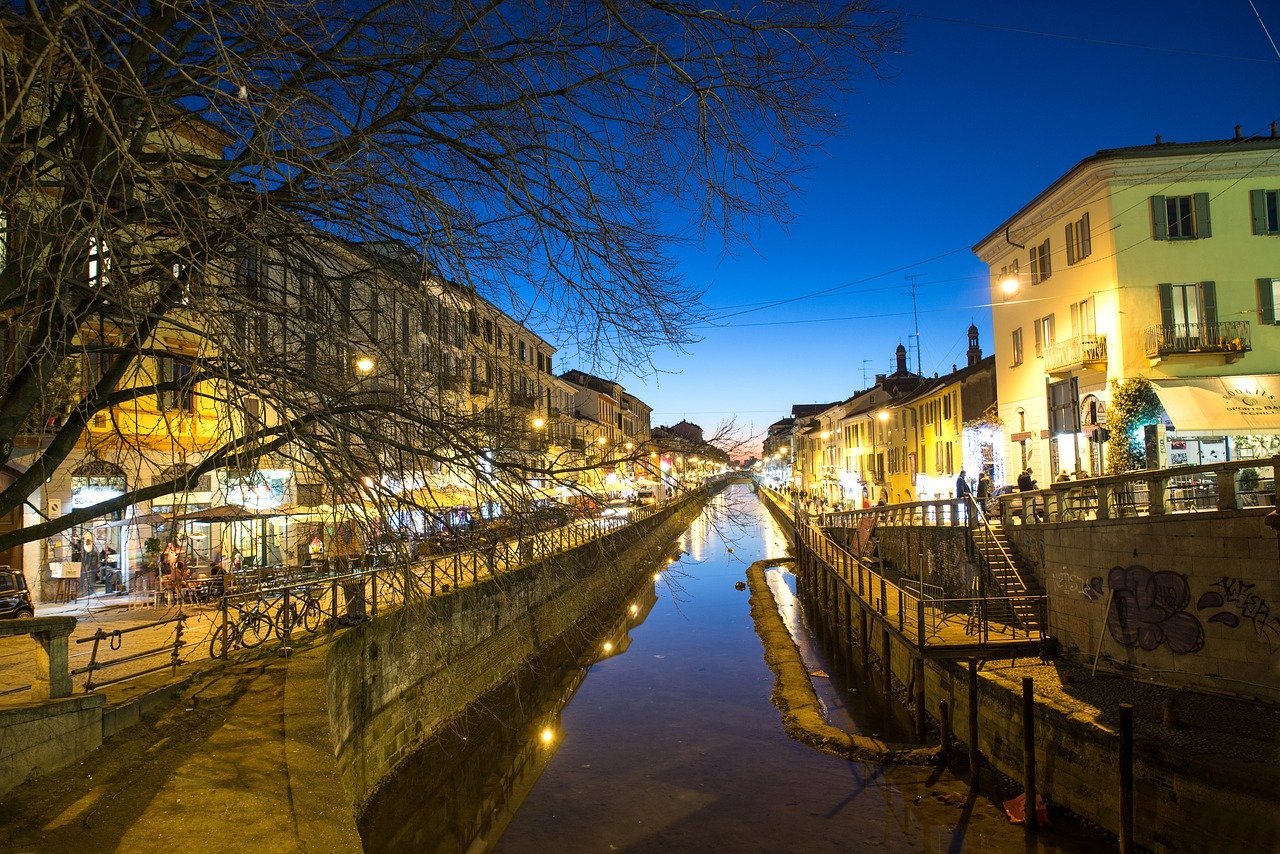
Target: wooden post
[[1126, 778], [1031, 820], [973, 725]]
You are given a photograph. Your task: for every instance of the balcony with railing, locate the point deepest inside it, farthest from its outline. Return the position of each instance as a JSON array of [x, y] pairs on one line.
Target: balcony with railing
[[1082, 351], [453, 382], [1227, 337], [480, 386], [523, 401]]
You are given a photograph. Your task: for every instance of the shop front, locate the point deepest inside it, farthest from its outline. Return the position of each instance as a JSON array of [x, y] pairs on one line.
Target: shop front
[[1216, 419]]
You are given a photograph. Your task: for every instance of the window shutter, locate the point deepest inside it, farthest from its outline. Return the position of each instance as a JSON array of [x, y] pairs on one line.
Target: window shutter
[[1166, 305], [1159, 219], [1035, 265], [1209, 306], [1046, 265], [1203, 226], [1086, 246], [1266, 302], [1258, 205], [1071, 247]]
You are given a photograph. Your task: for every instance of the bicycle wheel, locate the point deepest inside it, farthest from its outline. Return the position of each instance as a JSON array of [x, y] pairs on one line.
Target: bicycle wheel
[[215, 642], [255, 627], [312, 615]]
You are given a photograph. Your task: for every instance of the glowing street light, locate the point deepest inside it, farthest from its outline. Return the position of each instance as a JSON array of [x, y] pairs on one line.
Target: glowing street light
[[364, 365], [539, 423], [1009, 286]]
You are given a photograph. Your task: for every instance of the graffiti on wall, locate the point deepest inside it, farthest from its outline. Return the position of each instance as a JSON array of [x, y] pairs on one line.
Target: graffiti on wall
[[1149, 610], [1240, 602]]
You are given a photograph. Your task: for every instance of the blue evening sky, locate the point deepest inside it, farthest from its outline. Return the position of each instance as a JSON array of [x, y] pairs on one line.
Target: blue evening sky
[[987, 104]]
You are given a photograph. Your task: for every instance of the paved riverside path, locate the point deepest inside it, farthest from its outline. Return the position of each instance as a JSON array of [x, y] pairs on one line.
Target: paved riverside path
[[243, 761]]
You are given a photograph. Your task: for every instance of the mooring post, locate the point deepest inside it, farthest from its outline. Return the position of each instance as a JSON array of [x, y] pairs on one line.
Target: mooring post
[[973, 724], [1126, 778], [921, 723], [944, 721], [1031, 819]]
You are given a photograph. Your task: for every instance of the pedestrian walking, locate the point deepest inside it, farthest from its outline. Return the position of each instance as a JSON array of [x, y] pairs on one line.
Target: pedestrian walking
[[962, 485]]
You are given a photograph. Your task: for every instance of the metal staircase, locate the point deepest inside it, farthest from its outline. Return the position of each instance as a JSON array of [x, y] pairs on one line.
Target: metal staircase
[[1000, 567]]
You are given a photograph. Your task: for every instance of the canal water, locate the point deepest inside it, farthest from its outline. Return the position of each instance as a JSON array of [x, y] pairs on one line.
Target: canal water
[[663, 738]]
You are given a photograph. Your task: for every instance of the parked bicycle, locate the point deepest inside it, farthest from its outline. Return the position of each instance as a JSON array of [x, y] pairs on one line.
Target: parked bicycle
[[249, 626], [304, 609]]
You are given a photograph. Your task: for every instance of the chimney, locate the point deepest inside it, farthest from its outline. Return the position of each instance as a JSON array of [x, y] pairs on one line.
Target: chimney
[[1273, 131], [1238, 132], [901, 355], [1158, 140]]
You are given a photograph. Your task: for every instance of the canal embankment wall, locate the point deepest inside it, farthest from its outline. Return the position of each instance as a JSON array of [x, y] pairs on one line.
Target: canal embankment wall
[[1166, 579], [394, 682], [1187, 600]]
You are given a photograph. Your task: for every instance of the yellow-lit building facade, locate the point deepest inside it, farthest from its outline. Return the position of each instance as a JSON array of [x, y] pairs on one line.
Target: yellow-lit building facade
[[1160, 261]]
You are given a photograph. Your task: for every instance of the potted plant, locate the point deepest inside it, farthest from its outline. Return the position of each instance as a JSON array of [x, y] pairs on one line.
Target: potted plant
[[1247, 487]]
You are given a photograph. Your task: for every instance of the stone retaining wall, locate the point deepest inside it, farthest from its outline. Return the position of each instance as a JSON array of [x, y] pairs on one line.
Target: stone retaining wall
[[1195, 598], [37, 739], [396, 680]]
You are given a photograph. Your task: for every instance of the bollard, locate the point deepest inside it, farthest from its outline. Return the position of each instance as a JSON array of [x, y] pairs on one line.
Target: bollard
[[1126, 778], [973, 724], [1031, 819]]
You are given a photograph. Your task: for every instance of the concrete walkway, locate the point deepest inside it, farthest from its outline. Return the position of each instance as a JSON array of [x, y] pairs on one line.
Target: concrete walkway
[[241, 762]]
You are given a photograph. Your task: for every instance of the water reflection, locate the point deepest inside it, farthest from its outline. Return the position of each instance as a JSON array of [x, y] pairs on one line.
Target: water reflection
[[460, 790], [671, 742]]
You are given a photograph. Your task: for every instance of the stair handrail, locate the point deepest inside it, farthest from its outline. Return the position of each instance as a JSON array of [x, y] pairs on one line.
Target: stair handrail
[[985, 525]]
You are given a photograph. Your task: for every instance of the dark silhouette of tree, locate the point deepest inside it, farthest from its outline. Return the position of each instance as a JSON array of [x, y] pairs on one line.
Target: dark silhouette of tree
[[217, 210]]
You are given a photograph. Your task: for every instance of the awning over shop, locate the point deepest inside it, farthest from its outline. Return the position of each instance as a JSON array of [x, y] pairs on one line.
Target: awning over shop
[[1245, 404]]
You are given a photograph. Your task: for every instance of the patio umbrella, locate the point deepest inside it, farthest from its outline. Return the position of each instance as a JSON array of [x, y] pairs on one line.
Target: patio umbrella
[[221, 513]]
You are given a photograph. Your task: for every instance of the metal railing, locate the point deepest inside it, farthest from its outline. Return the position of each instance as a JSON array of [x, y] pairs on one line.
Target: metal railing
[[946, 512], [921, 618], [115, 642], [253, 614], [1154, 492], [1074, 352], [1225, 336]]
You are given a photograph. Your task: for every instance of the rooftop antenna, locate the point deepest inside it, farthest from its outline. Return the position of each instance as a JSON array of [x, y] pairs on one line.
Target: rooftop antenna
[[865, 362], [915, 316]]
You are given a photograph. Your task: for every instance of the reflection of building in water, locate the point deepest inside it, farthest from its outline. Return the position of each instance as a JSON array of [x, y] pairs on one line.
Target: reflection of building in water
[[461, 790]]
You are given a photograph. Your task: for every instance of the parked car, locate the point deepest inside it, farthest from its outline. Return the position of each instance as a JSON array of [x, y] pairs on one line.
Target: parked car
[[646, 497], [15, 598]]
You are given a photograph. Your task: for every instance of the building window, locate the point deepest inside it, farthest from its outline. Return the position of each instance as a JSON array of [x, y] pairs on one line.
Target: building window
[[1268, 297], [175, 373], [1044, 334], [1186, 308], [1079, 246], [1041, 268], [1017, 347], [1083, 318], [1180, 217], [1266, 211]]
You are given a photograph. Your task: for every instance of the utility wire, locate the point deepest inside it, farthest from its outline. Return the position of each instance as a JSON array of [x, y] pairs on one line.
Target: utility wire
[[1265, 31]]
